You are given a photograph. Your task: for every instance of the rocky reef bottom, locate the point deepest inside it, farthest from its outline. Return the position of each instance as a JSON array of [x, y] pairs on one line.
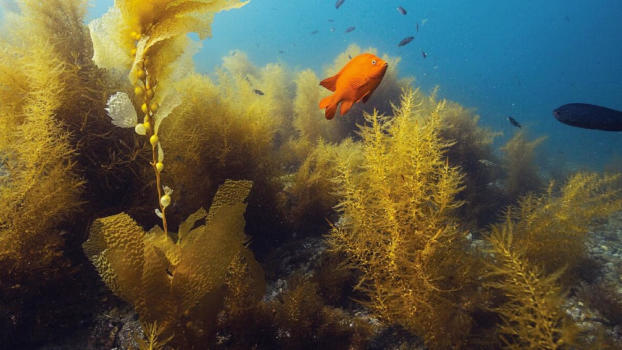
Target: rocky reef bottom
[[595, 304]]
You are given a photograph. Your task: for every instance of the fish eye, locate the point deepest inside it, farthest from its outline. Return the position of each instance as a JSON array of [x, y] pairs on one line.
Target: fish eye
[[373, 61]]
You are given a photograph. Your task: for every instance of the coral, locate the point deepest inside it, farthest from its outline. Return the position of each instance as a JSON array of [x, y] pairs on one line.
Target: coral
[[553, 226], [397, 228], [532, 316], [178, 284], [519, 163]]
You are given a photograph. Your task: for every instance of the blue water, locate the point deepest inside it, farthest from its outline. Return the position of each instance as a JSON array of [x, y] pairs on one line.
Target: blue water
[[519, 58]]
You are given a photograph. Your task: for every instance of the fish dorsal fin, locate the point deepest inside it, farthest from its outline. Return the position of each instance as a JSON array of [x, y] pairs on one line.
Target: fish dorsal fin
[[330, 83]]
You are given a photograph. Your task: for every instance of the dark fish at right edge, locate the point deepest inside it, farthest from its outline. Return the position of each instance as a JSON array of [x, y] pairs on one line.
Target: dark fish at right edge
[[587, 116], [339, 3]]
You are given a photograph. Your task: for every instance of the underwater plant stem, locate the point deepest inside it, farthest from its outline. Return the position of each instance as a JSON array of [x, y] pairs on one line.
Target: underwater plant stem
[[154, 151], [150, 133]]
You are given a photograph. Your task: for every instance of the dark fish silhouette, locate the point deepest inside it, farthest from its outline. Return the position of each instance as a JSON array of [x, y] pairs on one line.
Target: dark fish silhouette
[[314, 32], [587, 116], [417, 27], [331, 20], [349, 29], [406, 40], [339, 3], [514, 122], [258, 92], [401, 10], [424, 54]]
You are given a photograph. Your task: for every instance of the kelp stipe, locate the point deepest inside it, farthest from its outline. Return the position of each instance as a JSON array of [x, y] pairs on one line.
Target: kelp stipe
[[397, 228], [153, 38]]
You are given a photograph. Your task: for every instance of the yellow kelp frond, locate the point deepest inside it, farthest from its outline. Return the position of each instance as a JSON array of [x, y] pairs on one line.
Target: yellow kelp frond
[[532, 315], [553, 227], [165, 18], [168, 280], [155, 22], [397, 226]]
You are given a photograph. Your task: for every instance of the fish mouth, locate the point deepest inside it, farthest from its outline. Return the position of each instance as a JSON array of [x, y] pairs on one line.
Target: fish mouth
[[383, 69], [556, 113]]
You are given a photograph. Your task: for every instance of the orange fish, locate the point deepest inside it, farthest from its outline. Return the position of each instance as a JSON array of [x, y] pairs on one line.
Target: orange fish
[[355, 82]]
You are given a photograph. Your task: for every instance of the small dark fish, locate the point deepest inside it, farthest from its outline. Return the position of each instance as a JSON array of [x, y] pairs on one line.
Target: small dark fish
[[587, 116], [258, 92], [417, 27], [514, 122], [314, 32], [406, 40], [424, 54], [349, 57], [331, 20], [281, 51], [339, 3], [401, 10], [350, 29]]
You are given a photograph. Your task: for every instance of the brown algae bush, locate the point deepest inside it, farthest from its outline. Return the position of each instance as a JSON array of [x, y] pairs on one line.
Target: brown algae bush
[[108, 131], [397, 195]]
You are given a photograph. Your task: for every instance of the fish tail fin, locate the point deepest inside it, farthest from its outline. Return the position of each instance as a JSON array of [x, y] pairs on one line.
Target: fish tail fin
[[330, 105], [345, 107]]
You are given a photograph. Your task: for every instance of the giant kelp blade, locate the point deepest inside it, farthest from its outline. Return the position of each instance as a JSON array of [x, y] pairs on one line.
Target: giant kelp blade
[[209, 249], [115, 246]]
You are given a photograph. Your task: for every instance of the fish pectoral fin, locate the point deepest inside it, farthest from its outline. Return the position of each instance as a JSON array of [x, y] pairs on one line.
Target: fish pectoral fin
[[358, 82], [345, 106], [330, 83], [365, 97]]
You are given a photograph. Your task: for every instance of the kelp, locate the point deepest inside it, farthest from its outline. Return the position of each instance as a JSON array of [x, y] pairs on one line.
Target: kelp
[[397, 228], [177, 284]]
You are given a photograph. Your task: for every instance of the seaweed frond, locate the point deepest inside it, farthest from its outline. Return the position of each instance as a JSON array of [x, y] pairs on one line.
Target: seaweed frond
[[554, 226], [397, 227], [532, 314], [519, 161], [178, 284]]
